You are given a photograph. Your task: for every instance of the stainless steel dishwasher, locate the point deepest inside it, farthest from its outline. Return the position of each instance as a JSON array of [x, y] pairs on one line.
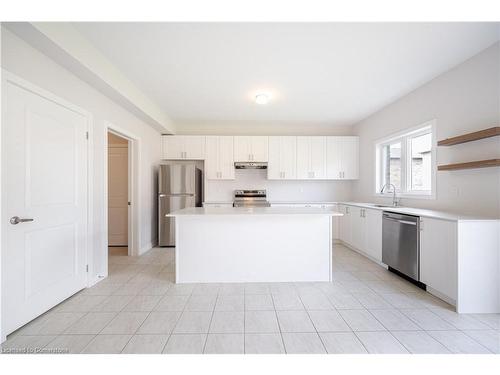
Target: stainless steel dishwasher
[[401, 244]]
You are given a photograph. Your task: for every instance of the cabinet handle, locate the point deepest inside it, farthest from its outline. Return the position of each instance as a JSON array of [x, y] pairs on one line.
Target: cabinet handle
[[340, 174]]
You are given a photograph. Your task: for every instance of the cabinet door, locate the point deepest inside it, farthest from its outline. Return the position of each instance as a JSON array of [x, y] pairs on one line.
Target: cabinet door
[[350, 158], [357, 228], [288, 157], [242, 149], [194, 147], [373, 234], [345, 225], [303, 158], [317, 157], [438, 255], [226, 157], [333, 163], [172, 146], [212, 158], [274, 171], [259, 148]]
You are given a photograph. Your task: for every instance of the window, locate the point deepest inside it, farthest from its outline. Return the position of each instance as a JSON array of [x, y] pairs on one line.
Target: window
[[406, 161]]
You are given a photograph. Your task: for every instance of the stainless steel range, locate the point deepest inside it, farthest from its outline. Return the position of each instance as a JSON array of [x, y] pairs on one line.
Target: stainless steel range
[[250, 198]]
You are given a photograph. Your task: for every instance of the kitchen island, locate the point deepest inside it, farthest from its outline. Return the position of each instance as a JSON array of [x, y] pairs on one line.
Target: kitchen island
[[261, 244]]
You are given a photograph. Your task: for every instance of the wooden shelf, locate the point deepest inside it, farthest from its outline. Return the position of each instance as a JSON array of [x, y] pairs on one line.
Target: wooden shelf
[[470, 165], [486, 133]]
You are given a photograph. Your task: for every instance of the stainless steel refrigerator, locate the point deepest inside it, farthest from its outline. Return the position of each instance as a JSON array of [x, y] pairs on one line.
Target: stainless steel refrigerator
[[179, 186]]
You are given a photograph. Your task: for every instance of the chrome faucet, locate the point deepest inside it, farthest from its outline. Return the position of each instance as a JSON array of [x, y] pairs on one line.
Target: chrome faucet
[[395, 201]]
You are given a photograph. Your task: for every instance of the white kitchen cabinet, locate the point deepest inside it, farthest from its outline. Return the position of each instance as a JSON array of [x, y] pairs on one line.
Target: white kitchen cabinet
[[282, 164], [362, 229], [311, 158], [342, 158], [438, 255], [251, 148], [219, 163], [189, 147], [357, 227], [373, 233], [345, 224]]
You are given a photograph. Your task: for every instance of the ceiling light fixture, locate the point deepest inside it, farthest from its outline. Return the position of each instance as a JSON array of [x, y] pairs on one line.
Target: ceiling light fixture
[[262, 98]]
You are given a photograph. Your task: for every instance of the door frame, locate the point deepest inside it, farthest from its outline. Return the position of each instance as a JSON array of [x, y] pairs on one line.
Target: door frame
[[134, 219], [6, 77]]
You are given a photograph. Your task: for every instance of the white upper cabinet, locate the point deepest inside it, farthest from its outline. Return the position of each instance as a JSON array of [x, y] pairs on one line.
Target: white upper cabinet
[[282, 164], [311, 158], [342, 158], [219, 163], [190, 147], [251, 148], [438, 255]]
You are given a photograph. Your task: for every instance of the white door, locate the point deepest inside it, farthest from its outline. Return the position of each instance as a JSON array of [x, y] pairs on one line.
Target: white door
[[118, 196], [260, 147], [226, 157], [194, 147], [349, 158], [44, 163], [373, 233], [172, 147], [212, 158], [242, 148], [317, 157], [333, 154], [438, 255], [274, 171], [288, 156], [303, 158], [357, 228]]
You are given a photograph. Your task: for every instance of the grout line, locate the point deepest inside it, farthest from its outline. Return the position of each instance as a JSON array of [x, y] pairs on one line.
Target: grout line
[[278, 321], [309, 316]]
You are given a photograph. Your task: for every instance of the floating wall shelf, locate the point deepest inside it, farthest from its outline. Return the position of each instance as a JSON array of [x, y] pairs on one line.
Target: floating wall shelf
[[470, 165], [469, 137]]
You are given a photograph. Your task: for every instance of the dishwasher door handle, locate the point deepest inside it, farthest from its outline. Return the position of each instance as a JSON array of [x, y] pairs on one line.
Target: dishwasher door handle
[[400, 221]]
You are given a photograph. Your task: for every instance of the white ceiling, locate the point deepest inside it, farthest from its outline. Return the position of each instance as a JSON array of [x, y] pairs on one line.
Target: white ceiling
[[331, 74]]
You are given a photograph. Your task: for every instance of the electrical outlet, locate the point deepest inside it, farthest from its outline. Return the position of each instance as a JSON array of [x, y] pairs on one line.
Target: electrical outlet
[[455, 191]]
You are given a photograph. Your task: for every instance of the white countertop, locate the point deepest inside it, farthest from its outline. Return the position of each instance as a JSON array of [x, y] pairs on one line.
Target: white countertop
[[243, 211], [421, 212]]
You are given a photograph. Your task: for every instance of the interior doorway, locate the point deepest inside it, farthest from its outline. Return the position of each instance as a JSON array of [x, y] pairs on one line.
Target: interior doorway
[[118, 195]]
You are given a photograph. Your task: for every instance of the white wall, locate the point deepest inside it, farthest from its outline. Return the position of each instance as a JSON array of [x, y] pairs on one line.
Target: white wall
[[464, 99], [278, 191], [25, 61]]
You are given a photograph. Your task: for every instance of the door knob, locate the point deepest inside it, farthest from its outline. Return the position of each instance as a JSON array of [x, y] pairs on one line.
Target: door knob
[[14, 220]]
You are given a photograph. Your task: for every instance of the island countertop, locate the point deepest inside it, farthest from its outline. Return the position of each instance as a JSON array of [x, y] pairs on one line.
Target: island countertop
[[245, 211]]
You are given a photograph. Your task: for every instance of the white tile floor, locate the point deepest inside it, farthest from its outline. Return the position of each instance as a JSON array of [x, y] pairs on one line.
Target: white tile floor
[[138, 309]]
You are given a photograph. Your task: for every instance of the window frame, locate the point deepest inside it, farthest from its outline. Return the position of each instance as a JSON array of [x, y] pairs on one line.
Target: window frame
[[405, 138]]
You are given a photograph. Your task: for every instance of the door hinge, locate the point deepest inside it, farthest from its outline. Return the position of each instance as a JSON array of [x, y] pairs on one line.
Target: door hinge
[[87, 268], [86, 135]]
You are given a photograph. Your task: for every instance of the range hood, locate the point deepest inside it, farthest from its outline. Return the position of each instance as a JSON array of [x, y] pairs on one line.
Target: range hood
[[250, 165]]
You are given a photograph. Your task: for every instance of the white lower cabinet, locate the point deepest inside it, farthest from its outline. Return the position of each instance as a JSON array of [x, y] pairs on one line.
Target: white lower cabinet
[[373, 234], [438, 255], [362, 230], [345, 224]]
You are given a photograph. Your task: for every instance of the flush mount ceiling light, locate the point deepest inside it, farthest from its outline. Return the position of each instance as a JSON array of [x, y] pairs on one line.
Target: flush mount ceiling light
[[262, 98]]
